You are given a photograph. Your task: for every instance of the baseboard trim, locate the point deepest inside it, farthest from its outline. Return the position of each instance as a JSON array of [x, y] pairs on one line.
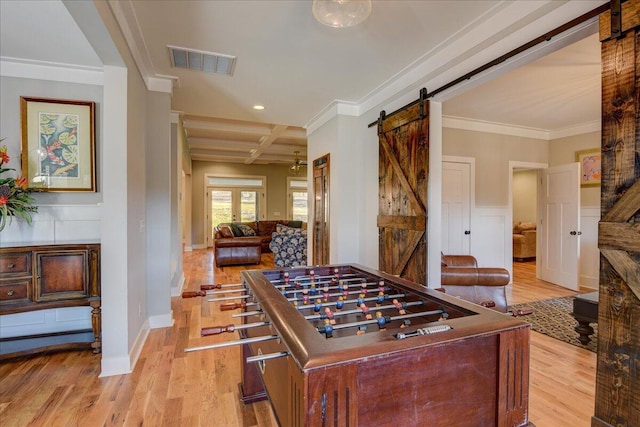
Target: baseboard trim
[[125, 364], [589, 282], [177, 291], [161, 320]]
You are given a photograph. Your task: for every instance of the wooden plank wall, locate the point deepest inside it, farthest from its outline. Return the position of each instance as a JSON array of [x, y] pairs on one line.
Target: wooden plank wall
[[618, 375]]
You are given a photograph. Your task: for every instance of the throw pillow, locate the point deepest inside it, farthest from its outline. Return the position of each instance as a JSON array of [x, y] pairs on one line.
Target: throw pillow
[[246, 230], [237, 231], [225, 231]]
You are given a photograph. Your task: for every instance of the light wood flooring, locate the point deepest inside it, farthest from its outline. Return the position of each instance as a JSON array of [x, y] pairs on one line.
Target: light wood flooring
[[169, 387]]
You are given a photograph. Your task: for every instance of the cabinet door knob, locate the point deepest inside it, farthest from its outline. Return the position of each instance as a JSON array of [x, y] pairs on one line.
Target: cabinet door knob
[[10, 292]]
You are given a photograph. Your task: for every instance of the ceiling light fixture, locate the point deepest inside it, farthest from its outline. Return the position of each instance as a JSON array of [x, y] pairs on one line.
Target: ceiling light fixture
[[258, 107], [341, 13], [294, 169]]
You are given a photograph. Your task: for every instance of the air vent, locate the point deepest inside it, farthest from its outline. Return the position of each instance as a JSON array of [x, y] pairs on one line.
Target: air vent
[[198, 60]]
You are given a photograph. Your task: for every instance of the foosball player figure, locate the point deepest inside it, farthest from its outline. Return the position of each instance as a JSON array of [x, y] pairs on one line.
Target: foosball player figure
[[339, 303], [379, 299], [329, 315], [336, 273], [286, 277], [317, 306], [365, 311], [444, 316], [312, 275], [405, 323], [361, 330], [399, 306], [360, 300], [382, 321], [325, 293], [381, 286], [305, 299], [328, 328], [363, 286], [313, 289], [345, 289]]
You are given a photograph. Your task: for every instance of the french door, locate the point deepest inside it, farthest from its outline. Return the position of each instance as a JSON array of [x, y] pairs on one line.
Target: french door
[[234, 205]]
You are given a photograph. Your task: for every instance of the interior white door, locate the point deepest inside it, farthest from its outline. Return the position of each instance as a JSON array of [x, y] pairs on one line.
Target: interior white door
[[456, 208], [559, 230]]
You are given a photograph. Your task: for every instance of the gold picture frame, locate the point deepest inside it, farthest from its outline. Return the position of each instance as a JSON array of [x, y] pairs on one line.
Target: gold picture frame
[[590, 167], [58, 144]]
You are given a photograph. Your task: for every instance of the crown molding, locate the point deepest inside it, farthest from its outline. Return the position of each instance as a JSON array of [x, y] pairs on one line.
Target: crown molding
[[580, 129], [51, 71], [492, 127], [127, 20], [335, 108]]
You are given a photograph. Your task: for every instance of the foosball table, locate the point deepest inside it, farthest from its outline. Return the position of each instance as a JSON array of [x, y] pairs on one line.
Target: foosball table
[[345, 345]]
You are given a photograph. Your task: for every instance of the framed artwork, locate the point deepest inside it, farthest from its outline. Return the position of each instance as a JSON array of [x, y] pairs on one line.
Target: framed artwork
[[58, 144], [590, 167]]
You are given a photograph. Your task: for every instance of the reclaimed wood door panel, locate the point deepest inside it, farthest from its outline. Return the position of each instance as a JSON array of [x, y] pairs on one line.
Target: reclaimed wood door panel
[[618, 378], [402, 208]]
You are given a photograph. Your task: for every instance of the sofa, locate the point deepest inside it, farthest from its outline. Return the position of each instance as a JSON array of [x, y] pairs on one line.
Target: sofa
[[461, 277], [524, 241], [241, 243], [289, 247]]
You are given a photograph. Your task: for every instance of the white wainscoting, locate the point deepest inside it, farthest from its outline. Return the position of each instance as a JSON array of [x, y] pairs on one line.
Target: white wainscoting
[[589, 252], [52, 223]]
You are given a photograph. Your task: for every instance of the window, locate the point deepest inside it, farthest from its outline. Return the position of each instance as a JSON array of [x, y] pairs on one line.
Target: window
[[297, 199]]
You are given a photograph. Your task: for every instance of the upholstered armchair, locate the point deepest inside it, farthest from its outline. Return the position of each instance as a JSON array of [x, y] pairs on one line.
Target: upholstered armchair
[[289, 247], [461, 277], [524, 241]]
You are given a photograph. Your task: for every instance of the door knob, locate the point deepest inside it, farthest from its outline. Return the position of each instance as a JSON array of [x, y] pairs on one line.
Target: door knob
[[573, 233], [467, 232]]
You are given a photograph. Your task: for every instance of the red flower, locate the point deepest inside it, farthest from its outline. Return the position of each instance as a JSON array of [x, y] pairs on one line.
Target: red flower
[[22, 182], [4, 157], [3, 200]]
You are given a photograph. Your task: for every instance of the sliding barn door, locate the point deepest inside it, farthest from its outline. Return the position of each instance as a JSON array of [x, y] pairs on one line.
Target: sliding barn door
[[618, 379], [403, 171]]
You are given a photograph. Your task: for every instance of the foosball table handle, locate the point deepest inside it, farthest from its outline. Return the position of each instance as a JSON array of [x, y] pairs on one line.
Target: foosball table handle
[[210, 287], [193, 294], [215, 330], [232, 306], [488, 304], [521, 312]]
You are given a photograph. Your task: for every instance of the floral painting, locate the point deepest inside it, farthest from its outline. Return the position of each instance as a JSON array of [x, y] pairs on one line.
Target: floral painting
[[58, 144], [590, 167]]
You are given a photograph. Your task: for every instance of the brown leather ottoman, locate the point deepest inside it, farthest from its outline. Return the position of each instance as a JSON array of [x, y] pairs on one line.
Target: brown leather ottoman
[[237, 251], [585, 311]]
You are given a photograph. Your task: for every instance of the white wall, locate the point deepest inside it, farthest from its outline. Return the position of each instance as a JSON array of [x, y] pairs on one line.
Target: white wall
[[525, 195]]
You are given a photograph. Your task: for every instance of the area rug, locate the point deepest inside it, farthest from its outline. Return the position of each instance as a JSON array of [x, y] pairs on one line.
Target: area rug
[[553, 318]]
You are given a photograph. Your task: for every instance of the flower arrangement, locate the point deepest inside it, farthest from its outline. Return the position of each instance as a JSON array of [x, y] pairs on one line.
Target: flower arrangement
[[14, 194]]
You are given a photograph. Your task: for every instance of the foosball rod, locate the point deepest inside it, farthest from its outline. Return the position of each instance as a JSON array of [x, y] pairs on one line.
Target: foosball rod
[[331, 288], [375, 321], [268, 356], [218, 286], [301, 307], [215, 330], [292, 284], [193, 294], [307, 277], [231, 343], [357, 310], [228, 298]]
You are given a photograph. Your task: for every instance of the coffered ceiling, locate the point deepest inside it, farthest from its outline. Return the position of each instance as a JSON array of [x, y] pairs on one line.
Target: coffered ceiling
[[297, 68]]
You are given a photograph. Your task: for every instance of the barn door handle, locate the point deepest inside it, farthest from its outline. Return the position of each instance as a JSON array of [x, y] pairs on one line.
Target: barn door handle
[[573, 233], [579, 233], [467, 232]]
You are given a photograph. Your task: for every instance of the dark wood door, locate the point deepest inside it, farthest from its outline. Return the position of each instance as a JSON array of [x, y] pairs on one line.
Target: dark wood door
[[618, 378], [402, 205], [321, 210]]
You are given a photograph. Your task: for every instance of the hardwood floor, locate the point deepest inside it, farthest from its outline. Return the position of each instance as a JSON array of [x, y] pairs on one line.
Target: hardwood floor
[[169, 387]]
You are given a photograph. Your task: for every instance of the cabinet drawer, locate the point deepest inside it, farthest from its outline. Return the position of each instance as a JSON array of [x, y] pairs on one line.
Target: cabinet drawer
[[14, 291], [15, 263]]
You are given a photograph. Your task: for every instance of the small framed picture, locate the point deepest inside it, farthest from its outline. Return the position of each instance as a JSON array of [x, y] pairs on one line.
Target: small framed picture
[[58, 144], [590, 167]]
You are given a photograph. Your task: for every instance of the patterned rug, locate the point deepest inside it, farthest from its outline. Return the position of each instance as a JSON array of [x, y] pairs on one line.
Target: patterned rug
[[553, 317]]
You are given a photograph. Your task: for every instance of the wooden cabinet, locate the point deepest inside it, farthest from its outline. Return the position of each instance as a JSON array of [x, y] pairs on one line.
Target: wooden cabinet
[[38, 277]]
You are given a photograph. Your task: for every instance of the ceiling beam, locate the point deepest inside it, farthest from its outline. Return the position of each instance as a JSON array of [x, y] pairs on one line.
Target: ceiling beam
[[265, 143]]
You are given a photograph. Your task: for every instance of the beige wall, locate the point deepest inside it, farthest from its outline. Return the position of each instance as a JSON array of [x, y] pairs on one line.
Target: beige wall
[[563, 151], [525, 200], [276, 190], [492, 153]]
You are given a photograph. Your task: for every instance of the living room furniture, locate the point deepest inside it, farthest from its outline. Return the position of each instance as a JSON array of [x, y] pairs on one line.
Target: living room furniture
[[262, 229], [585, 311], [524, 241], [461, 277], [46, 276], [289, 247], [237, 251]]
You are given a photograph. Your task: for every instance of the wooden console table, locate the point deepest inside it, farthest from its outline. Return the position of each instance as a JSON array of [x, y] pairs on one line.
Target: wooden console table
[[45, 276], [585, 311]]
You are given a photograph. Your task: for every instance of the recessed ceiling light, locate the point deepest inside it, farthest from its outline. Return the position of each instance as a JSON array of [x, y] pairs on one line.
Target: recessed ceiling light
[[258, 107]]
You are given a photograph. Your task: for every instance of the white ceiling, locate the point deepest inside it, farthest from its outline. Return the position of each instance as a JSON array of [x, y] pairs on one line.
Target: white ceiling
[[296, 67]]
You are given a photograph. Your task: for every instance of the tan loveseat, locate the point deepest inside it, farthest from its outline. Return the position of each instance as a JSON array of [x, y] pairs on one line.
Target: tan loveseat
[[524, 241]]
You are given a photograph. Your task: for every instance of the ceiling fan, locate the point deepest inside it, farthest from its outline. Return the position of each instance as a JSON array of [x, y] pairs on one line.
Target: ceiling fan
[[297, 164]]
